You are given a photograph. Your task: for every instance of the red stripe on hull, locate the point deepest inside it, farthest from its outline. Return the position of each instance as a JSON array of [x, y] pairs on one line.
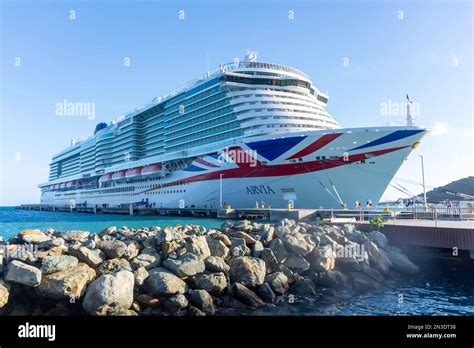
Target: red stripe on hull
[[321, 142], [277, 170]]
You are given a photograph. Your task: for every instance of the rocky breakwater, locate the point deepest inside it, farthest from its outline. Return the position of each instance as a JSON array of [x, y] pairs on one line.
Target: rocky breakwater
[[188, 270]]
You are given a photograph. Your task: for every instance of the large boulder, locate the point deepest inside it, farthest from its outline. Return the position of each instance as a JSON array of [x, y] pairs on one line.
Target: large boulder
[[218, 248], [109, 292], [214, 283], [140, 275], [238, 247], [33, 236], [278, 282], [278, 249], [271, 263], [401, 262], [379, 239], [298, 243], [92, 257], [202, 300], [57, 263], [161, 282], [248, 271], [68, 284], [216, 264], [185, 266], [19, 272], [112, 248], [322, 258], [175, 303], [75, 236], [4, 293], [303, 286], [249, 240], [378, 259], [247, 296], [266, 293], [296, 263], [113, 265], [149, 259], [197, 245]]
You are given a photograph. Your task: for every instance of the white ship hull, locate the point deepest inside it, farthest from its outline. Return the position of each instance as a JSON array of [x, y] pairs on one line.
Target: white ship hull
[[324, 169]]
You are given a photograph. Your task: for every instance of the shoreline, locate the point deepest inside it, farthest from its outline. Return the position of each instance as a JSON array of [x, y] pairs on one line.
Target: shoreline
[[190, 270]]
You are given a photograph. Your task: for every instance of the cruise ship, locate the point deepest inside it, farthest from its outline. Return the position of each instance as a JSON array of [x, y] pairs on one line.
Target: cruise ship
[[245, 134]]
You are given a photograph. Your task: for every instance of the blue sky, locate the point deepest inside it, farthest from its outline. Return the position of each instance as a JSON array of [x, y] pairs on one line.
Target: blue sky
[[365, 54]]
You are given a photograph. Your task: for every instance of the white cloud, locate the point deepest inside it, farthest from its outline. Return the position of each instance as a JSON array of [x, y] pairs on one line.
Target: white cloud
[[439, 128]]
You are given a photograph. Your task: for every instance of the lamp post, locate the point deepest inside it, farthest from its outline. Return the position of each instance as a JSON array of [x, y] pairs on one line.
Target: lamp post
[[220, 189], [423, 176]]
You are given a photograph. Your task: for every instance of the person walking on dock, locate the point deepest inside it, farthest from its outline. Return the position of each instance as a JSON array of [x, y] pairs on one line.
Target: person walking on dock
[[357, 204], [256, 204]]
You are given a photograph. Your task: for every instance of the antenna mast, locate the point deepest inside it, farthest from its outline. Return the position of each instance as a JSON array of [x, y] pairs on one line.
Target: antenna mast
[[409, 118]]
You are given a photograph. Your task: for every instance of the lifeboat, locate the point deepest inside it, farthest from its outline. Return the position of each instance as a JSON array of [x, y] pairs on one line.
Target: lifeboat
[[152, 169], [106, 177], [132, 172], [68, 184], [62, 185], [119, 175]]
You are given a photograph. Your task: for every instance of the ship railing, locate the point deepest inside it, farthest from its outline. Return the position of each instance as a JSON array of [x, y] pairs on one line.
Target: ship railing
[[394, 214]]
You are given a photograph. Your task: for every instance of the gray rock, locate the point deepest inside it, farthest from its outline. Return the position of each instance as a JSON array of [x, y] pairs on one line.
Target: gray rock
[[379, 239], [303, 286], [238, 247], [278, 282], [279, 250], [19, 272], [4, 293], [113, 265], [195, 312], [378, 259], [214, 283], [34, 237], [161, 282], [216, 264], [202, 300], [185, 266], [149, 258], [249, 240], [247, 296], [322, 258], [197, 245], [51, 243], [347, 264], [218, 248], [57, 263], [108, 231], [112, 248], [266, 293], [167, 235], [401, 262], [329, 279], [298, 243], [92, 257], [256, 249], [68, 284], [248, 271], [176, 303], [72, 236], [296, 263], [289, 273], [140, 275], [270, 260], [357, 237], [109, 291], [324, 240]]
